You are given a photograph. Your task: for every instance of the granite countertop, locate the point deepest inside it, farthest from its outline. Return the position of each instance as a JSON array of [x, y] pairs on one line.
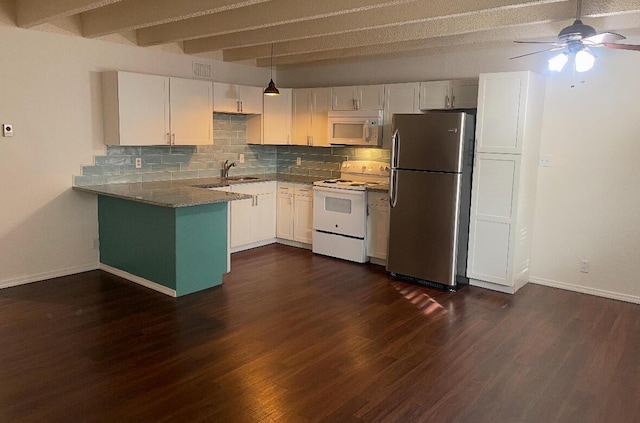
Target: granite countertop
[[193, 192]]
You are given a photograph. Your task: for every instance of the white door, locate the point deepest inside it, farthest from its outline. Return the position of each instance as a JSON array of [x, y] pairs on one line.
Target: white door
[[263, 222], [464, 94], [501, 108], [284, 212], [241, 216], [370, 97], [251, 100], [343, 98], [191, 111], [143, 109], [435, 95], [301, 116], [303, 218], [226, 97], [320, 106], [276, 119], [399, 98], [493, 202]]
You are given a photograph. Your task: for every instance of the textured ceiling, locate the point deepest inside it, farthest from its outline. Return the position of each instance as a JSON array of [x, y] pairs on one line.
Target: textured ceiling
[[307, 32]]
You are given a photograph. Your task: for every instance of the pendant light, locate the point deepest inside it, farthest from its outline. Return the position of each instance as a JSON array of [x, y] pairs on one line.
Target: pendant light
[[271, 89]]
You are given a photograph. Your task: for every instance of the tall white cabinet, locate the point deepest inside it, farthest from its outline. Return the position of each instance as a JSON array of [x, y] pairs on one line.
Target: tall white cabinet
[[504, 179]]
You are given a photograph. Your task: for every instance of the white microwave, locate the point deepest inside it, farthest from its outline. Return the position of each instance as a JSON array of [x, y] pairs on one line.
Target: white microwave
[[357, 127]]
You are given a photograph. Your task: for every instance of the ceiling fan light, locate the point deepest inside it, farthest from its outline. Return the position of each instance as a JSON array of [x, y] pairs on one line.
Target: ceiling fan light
[[584, 60], [557, 62]]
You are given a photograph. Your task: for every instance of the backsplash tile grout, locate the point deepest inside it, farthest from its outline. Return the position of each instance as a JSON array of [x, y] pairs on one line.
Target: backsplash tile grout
[[184, 162]]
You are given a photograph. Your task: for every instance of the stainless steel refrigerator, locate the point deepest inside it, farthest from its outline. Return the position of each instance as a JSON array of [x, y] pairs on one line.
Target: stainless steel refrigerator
[[430, 196]]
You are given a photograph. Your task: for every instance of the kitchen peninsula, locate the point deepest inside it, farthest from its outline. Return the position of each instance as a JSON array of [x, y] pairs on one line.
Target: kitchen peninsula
[[171, 236]]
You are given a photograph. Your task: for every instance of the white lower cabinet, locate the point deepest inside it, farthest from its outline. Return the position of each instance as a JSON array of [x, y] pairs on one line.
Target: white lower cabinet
[[295, 212], [377, 225], [253, 221]]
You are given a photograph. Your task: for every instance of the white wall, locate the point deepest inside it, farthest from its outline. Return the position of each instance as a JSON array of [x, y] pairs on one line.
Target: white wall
[[50, 92], [588, 201]]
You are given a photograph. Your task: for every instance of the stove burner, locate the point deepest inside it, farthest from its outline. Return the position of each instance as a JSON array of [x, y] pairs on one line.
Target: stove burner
[[330, 181]]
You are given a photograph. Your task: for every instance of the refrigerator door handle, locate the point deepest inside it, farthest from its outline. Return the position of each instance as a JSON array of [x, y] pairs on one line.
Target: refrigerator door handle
[[393, 188], [395, 149]]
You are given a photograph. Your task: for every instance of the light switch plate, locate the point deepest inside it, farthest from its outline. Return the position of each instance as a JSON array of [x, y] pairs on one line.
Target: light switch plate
[[7, 130]]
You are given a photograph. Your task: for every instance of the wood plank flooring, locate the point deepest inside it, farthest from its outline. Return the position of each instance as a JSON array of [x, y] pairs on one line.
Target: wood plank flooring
[[296, 337]]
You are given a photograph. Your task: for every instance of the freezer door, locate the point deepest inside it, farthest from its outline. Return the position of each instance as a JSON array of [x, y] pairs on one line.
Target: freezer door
[[423, 227], [432, 141]]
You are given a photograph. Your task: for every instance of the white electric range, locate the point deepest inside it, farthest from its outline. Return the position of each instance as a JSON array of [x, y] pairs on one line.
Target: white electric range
[[340, 210]]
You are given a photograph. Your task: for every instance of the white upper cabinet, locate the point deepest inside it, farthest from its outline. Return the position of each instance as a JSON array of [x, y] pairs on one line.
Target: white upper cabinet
[[276, 119], [364, 97], [191, 114], [399, 98], [310, 107], [234, 98], [508, 106], [154, 110], [445, 95]]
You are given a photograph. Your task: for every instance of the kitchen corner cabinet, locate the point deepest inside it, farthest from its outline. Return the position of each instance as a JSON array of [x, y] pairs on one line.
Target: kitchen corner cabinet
[[377, 225], [446, 95], [234, 98], [364, 97], [399, 98], [310, 108], [276, 118], [144, 109], [295, 212], [504, 181], [253, 221]]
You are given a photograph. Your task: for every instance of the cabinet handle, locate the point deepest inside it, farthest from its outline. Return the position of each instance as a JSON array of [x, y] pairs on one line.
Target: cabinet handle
[[446, 101], [237, 105], [256, 201], [241, 106], [173, 139], [167, 138], [453, 101], [358, 104], [355, 107]]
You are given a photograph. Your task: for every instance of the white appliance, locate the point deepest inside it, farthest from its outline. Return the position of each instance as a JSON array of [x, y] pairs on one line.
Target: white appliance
[[340, 210], [355, 127]]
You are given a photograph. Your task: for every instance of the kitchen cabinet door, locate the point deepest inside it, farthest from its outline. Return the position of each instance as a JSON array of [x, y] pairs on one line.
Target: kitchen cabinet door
[[399, 98], [276, 119], [241, 217], [320, 106], [264, 217], [364, 97], [301, 116], [509, 112], [377, 225], [135, 108], [284, 211], [191, 112], [303, 214], [253, 221], [435, 95], [464, 94], [234, 98]]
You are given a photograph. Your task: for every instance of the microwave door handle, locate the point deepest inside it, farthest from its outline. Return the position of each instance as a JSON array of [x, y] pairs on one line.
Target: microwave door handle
[[366, 131]]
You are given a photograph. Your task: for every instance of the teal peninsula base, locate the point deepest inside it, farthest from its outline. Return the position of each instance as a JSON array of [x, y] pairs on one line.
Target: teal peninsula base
[[183, 249]]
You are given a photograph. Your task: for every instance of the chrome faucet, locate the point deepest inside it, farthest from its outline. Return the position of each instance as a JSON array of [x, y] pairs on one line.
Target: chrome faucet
[[225, 168]]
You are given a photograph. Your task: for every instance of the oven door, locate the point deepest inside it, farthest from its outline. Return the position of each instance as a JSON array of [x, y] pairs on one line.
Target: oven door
[[340, 211]]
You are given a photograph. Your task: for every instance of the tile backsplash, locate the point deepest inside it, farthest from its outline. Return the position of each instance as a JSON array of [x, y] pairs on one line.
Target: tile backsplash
[[161, 163]]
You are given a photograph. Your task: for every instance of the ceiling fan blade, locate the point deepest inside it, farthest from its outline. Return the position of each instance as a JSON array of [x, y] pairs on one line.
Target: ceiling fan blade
[[536, 52], [554, 43], [623, 46], [605, 37]]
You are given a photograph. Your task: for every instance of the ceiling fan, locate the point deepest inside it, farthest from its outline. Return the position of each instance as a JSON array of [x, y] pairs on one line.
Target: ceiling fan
[[577, 40]]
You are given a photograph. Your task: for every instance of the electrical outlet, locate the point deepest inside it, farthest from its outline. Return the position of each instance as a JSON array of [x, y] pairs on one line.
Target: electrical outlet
[[298, 161], [544, 161], [241, 158], [95, 244], [138, 162], [584, 266]]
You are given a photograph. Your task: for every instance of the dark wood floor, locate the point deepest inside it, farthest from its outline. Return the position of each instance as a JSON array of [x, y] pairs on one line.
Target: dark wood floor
[[295, 337]]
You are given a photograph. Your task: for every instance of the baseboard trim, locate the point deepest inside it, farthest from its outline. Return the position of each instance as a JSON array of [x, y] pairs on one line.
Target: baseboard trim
[[492, 286], [586, 290], [378, 261], [48, 275], [291, 243], [138, 280], [253, 245]]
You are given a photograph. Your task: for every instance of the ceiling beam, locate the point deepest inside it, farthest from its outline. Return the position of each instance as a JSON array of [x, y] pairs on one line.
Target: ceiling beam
[[35, 12], [134, 14], [274, 12], [548, 30], [410, 31], [417, 11]]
